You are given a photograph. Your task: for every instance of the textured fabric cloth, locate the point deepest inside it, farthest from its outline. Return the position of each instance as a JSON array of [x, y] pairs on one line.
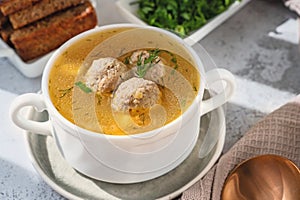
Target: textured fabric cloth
[[278, 133]]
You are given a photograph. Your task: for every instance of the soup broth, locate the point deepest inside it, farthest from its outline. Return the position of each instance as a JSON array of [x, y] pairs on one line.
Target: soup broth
[[66, 79]]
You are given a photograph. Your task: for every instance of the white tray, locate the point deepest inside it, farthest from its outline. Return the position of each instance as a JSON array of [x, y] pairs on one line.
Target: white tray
[[30, 69], [129, 12]]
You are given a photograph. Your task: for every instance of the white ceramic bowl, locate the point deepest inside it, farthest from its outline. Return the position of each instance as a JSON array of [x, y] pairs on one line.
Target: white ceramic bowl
[[126, 158]]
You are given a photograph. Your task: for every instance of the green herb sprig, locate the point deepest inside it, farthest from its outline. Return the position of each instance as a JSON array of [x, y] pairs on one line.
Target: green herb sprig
[[144, 65], [79, 84], [65, 92], [83, 87]]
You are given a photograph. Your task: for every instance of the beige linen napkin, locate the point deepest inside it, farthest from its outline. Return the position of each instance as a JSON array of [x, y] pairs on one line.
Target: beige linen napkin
[[278, 133]]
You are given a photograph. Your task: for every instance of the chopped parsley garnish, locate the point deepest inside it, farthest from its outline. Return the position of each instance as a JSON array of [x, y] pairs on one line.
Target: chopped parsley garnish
[[144, 65], [83, 87], [195, 88], [127, 61], [65, 92]]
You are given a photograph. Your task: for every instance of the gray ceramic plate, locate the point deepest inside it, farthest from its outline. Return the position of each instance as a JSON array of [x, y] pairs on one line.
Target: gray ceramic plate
[[73, 185]]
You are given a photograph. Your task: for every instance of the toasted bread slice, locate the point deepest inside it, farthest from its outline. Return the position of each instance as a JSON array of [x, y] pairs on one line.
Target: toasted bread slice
[[40, 10], [8, 7], [6, 32], [49, 33], [3, 20]]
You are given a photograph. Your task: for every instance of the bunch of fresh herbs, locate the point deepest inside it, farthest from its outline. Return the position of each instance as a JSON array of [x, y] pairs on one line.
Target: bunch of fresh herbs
[[180, 16]]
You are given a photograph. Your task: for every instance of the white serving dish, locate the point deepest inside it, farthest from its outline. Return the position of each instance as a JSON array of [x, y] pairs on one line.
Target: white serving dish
[[33, 68], [30, 69], [58, 174], [129, 12]]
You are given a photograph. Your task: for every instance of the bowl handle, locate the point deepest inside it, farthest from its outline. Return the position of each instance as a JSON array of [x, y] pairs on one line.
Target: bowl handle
[[216, 101], [30, 99]]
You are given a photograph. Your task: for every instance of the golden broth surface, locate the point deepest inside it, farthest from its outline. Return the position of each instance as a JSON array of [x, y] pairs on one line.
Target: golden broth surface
[[66, 71]]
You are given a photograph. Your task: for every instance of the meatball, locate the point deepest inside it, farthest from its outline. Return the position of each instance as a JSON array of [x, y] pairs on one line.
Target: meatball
[[135, 93], [156, 72], [105, 74], [142, 55]]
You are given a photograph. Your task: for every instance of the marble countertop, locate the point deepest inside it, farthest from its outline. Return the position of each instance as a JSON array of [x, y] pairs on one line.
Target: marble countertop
[[267, 71]]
